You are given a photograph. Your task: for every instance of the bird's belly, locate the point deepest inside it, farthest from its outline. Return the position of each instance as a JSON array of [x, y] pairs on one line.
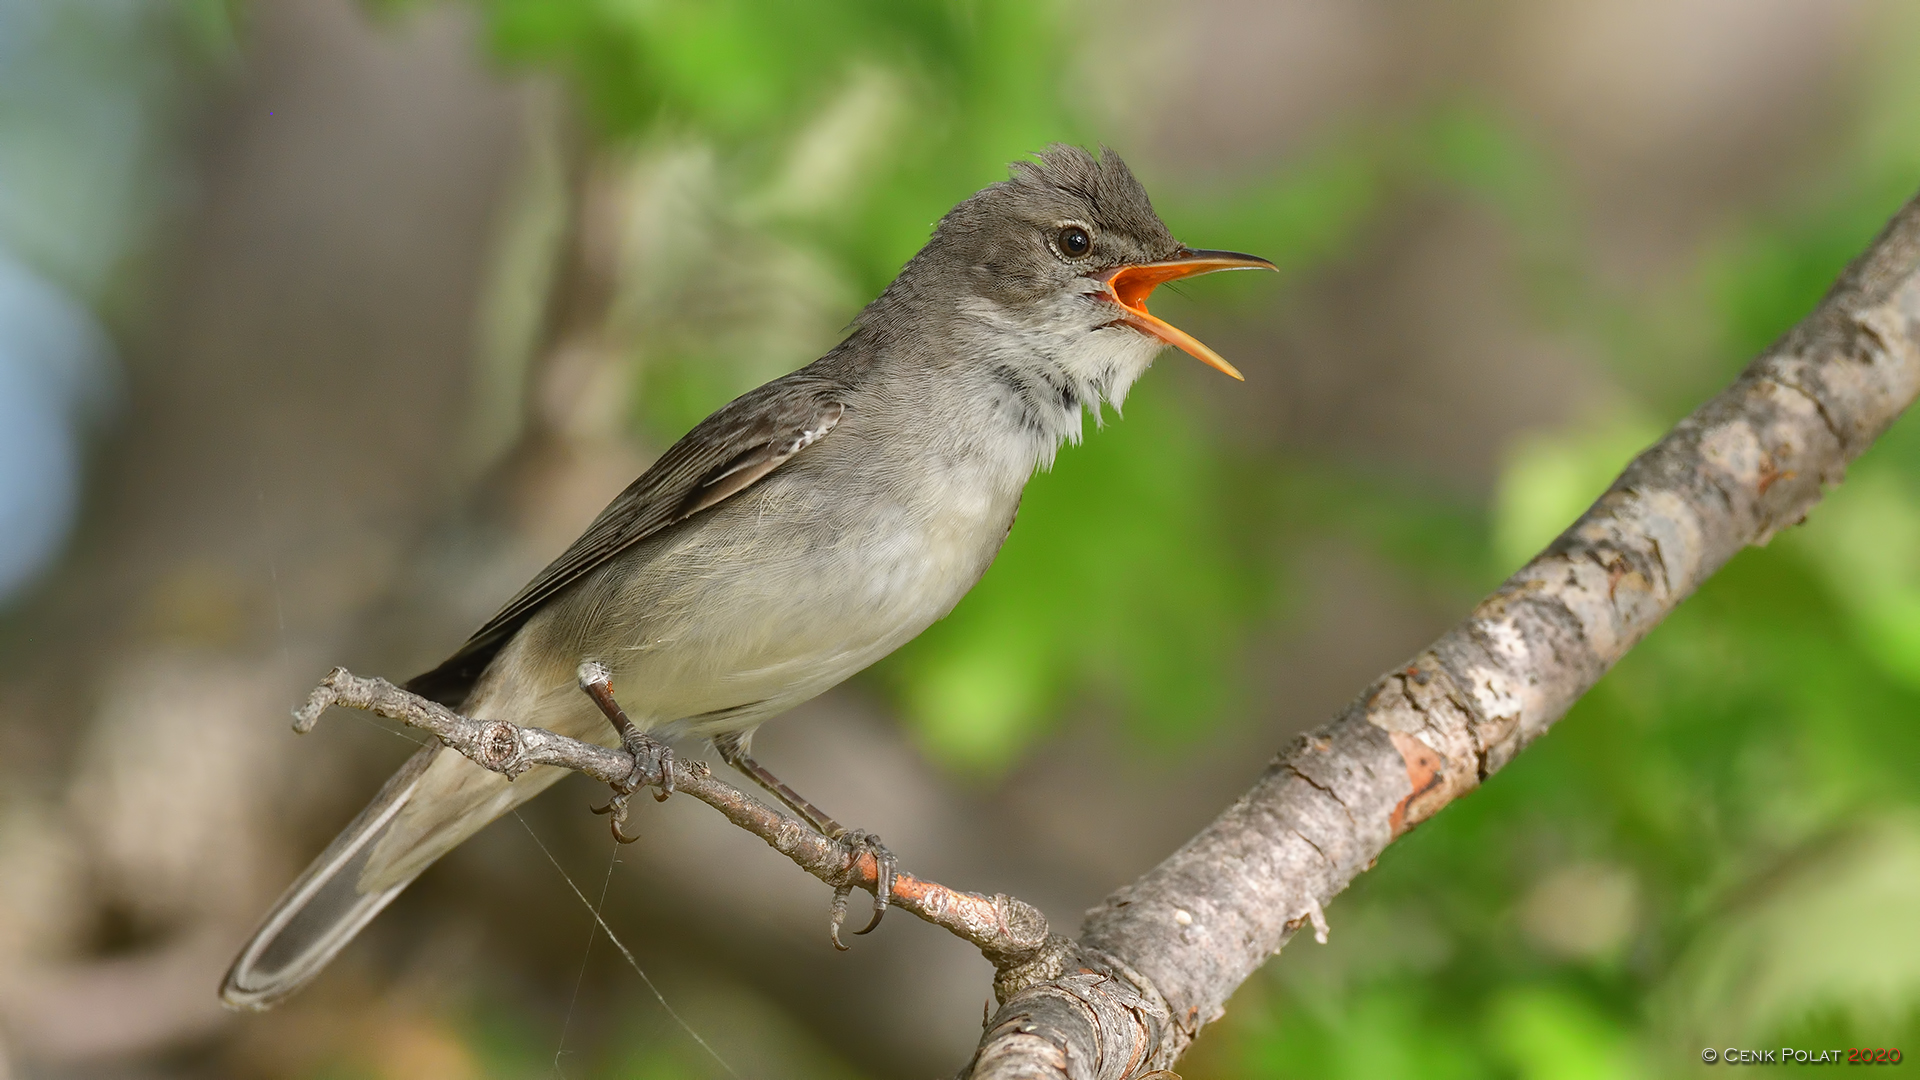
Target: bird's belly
[[762, 608]]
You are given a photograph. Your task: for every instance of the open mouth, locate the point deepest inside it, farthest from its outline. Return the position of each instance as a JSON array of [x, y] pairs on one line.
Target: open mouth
[[1129, 286]]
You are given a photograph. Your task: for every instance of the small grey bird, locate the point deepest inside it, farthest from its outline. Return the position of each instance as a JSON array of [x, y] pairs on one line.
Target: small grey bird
[[799, 534]]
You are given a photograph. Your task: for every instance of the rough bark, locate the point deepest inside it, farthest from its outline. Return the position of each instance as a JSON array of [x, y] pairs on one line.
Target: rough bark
[[1159, 957]]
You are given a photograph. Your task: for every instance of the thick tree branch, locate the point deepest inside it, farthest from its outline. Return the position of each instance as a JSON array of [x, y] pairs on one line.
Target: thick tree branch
[[1160, 957]]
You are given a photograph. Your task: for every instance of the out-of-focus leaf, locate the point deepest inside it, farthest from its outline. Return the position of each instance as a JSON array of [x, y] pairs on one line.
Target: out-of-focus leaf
[[1386, 1031], [1866, 541], [85, 91], [1471, 147], [505, 1043], [1582, 911], [740, 1034], [1765, 278], [1551, 477], [1832, 927], [1548, 1034]]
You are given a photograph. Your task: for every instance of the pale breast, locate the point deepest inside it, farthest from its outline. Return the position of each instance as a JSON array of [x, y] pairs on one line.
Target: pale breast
[[779, 593]]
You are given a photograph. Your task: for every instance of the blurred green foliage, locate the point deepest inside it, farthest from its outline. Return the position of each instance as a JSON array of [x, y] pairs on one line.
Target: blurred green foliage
[[976, 85], [1719, 845], [88, 93]]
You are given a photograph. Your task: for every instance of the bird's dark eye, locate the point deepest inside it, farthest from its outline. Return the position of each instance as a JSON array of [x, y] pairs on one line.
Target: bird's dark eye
[[1074, 242]]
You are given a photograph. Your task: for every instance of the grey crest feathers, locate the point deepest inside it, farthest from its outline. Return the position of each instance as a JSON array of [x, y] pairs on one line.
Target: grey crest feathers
[[1066, 178], [999, 238]]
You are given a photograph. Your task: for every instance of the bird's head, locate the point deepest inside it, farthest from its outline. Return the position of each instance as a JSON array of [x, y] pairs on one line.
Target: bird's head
[[1060, 258]]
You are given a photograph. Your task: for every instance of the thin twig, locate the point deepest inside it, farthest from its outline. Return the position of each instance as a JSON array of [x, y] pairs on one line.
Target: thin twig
[[1010, 932]]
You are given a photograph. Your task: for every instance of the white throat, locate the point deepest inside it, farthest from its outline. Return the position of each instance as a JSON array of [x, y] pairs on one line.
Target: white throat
[[1048, 369]]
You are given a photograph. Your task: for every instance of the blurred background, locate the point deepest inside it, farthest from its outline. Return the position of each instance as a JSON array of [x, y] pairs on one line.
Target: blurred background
[[323, 325]]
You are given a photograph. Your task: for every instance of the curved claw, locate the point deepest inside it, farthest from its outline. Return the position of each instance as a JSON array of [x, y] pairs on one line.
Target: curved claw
[[617, 806], [884, 868], [837, 916], [856, 843], [640, 747]]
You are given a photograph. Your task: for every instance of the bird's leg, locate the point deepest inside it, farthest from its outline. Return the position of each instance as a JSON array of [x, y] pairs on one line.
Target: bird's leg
[[648, 753], [857, 842], [735, 754]]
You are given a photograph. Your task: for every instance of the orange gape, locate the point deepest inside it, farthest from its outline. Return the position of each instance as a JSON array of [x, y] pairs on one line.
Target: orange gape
[[1131, 285]]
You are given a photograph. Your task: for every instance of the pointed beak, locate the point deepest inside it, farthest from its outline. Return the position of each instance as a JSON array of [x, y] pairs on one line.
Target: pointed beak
[[1129, 287]]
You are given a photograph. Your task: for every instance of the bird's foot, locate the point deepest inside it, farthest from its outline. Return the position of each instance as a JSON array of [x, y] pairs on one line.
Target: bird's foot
[[652, 764], [651, 757], [858, 843]]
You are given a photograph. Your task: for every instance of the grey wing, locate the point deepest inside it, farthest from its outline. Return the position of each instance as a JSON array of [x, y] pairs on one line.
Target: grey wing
[[722, 456]]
